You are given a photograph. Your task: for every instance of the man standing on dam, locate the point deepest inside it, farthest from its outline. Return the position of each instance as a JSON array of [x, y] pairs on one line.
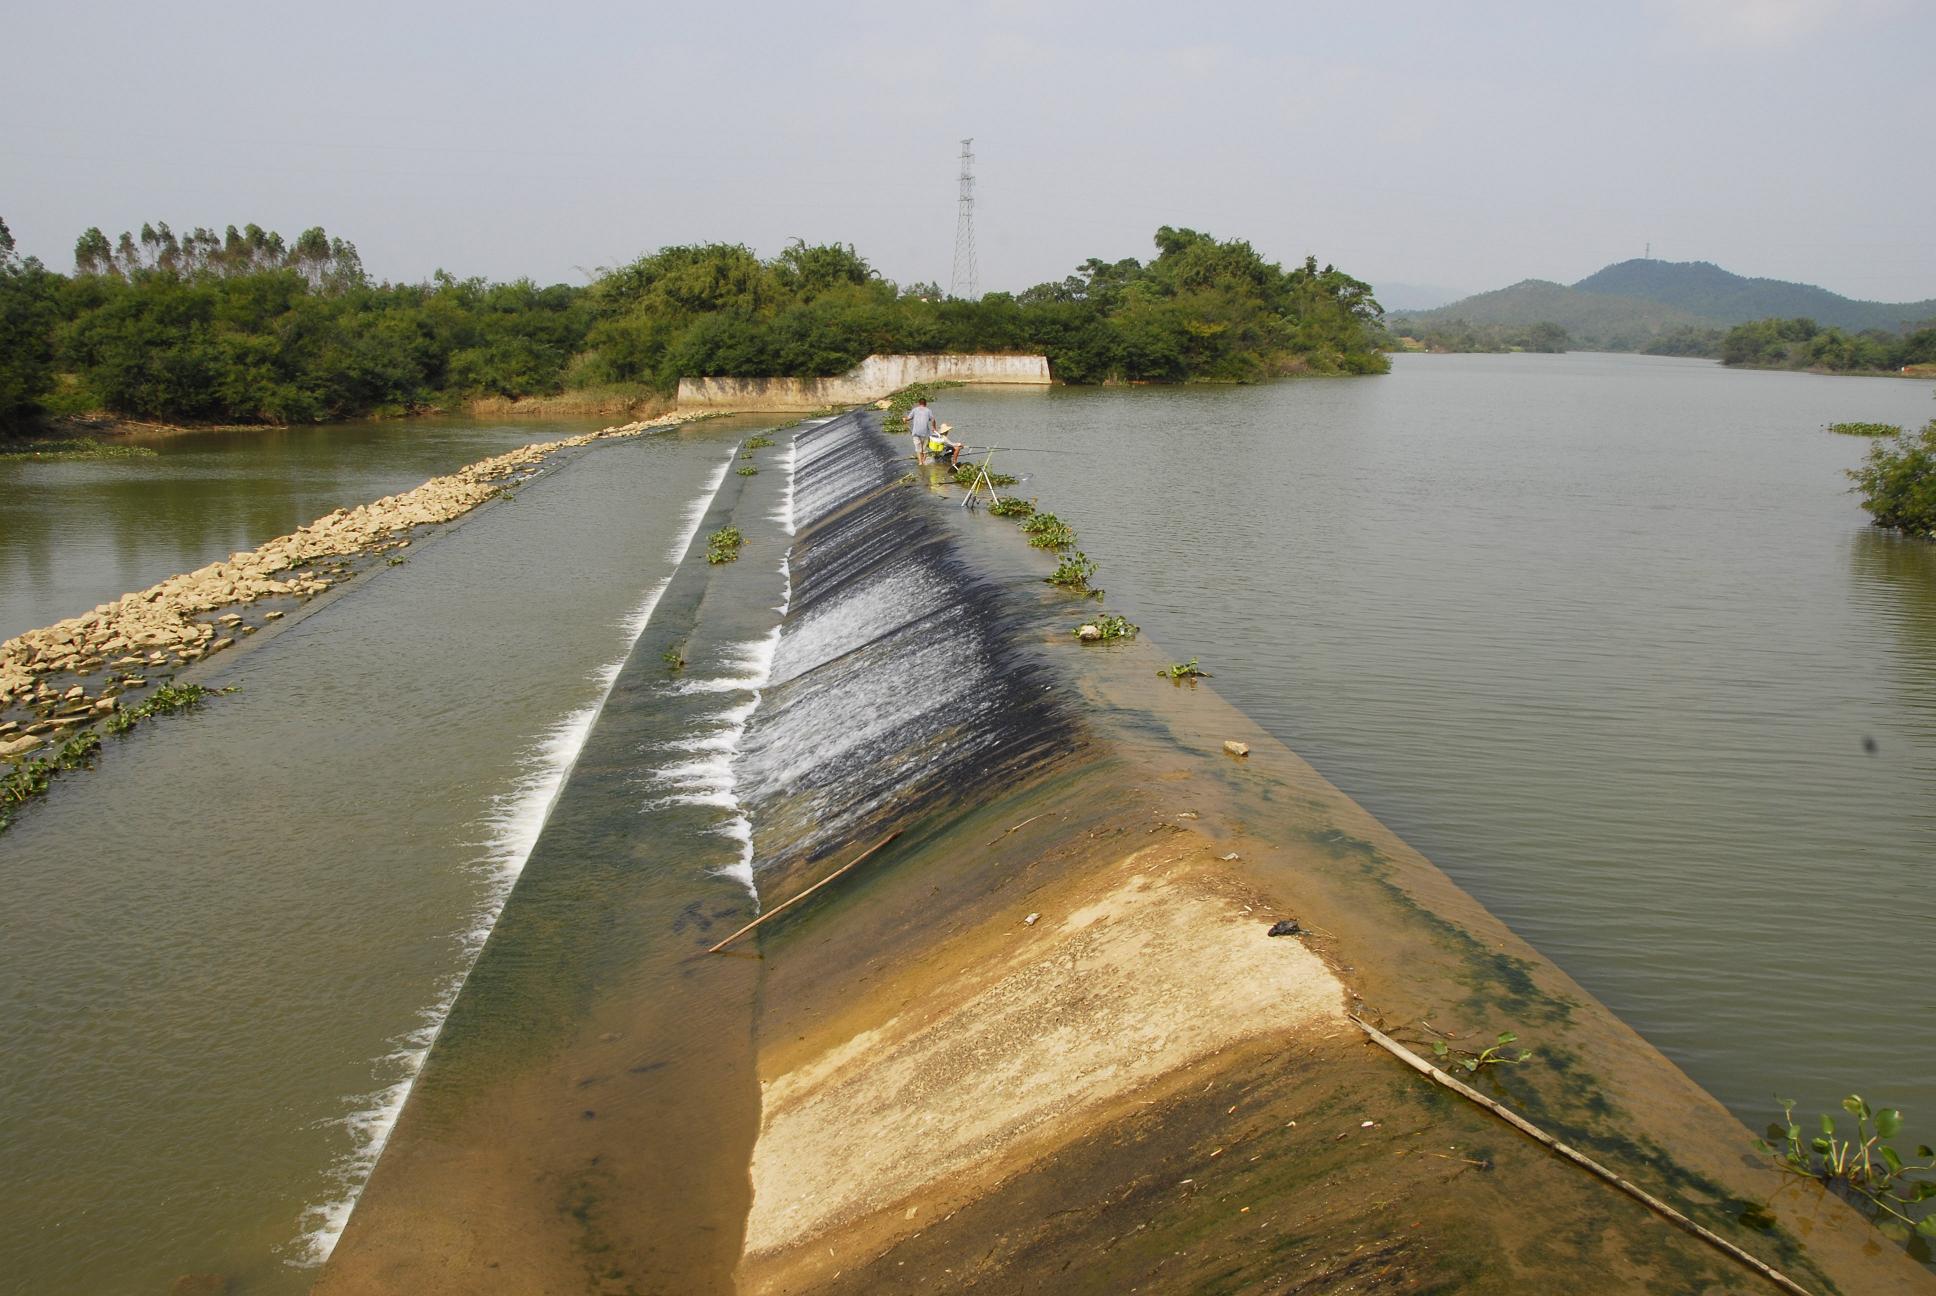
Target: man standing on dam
[[920, 421]]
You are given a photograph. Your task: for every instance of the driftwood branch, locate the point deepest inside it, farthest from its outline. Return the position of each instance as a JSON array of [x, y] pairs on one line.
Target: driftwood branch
[[1540, 1136], [782, 907]]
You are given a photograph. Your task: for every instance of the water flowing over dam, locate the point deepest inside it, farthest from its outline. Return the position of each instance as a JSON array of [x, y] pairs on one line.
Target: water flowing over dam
[[1015, 1047], [898, 686], [850, 673]]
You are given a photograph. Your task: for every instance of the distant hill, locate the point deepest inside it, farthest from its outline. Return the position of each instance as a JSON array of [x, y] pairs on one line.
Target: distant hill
[[1633, 305], [1591, 319], [1719, 296]]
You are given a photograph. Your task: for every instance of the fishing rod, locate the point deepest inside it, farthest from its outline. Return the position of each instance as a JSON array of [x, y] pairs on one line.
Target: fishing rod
[[1023, 449]]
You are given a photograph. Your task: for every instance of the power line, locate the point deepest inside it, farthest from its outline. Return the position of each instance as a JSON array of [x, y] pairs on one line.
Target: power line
[[966, 281]]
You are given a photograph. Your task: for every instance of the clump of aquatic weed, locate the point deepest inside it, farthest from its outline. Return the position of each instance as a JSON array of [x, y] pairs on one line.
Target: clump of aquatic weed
[[31, 778], [758, 442], [674, 658], [1012, 507], [1861, 1166], [970, 474], [1047, 531], [1073, 573], [1107, 627], [722, 546], [747, 470], [1866, 429], [166, 700], [1184, 670]]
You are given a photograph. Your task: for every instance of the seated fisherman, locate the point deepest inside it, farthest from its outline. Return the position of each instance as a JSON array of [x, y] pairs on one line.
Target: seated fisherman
[[941, 444]]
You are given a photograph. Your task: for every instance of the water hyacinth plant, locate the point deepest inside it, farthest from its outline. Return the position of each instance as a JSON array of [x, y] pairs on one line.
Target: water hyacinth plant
[[1472, 1063], [1862, 1166], [1047, 531], [1110, 626], [722, 546], [1073, 573]]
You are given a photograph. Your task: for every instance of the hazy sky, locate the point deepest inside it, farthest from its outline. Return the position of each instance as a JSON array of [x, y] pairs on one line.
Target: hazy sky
[[1462, 145]]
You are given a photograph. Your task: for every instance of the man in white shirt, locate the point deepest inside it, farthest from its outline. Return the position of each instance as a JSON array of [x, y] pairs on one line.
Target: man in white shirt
[[920, 421]]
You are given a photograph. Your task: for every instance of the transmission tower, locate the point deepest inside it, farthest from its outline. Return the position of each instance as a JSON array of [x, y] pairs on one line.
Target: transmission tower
[[967, 279]]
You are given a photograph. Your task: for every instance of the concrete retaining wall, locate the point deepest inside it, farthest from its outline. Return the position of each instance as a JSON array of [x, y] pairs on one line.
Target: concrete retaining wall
[[870, 380]]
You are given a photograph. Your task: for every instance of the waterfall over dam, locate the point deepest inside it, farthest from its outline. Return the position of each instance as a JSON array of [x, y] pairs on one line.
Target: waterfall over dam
[[1043, 1041]]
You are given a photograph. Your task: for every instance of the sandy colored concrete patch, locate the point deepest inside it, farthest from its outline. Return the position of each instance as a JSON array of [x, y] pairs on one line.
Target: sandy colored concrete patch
[[1018, 1047]]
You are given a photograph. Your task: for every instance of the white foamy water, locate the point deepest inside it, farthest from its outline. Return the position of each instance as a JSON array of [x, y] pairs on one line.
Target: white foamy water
[[513, 825], [714, 780]]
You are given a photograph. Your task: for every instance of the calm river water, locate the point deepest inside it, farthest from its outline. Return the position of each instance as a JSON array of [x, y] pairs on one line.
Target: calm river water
[[1606, 637]]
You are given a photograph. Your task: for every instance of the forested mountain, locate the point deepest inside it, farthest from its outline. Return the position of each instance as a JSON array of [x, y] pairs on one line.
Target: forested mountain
[[1665, 307], [1721, 297], [1593, 320]]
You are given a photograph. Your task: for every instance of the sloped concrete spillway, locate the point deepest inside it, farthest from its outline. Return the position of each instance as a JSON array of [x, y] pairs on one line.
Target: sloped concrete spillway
[[1040, 1042]]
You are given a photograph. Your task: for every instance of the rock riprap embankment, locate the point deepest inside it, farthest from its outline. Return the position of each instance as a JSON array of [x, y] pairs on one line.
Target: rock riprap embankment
[[70, 673]]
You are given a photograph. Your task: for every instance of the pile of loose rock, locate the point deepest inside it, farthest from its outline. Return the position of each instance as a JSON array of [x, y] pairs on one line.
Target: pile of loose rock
[[166, 626]]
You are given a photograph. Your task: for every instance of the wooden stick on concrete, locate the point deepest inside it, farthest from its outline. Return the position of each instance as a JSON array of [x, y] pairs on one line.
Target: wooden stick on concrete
[[782, 907], [1538, 1135]]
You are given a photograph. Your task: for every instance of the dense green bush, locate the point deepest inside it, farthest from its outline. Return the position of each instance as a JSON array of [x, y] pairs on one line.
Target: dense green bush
[[1898, 483], [1804, 344]]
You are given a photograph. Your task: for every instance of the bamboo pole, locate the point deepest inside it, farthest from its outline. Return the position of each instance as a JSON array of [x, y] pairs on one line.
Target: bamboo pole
[[1540, 1136], [782, 907]]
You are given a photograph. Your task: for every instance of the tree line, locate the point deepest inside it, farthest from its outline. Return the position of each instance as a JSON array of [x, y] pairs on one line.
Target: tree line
[[1804, 344], [244, 326]]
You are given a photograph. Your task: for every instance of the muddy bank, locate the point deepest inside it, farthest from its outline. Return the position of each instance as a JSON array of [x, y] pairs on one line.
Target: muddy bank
[[58, 679]]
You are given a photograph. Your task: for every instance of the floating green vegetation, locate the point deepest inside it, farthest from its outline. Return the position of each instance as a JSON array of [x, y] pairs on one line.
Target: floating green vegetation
[[166, 700], [969, 474], [747, 470], [758, 442], [396, 560], [722, 546], [1472, 1063], [1183, 671], [30, 778], [1073, 573], [674, 658], [1012, 507], [57, 451], [1866, 429], [1047, 531], [1862, 1166], [1107, 627]]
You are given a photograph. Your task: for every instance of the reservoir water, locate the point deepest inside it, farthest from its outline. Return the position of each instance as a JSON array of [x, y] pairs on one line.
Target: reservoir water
[[1605, 637]]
